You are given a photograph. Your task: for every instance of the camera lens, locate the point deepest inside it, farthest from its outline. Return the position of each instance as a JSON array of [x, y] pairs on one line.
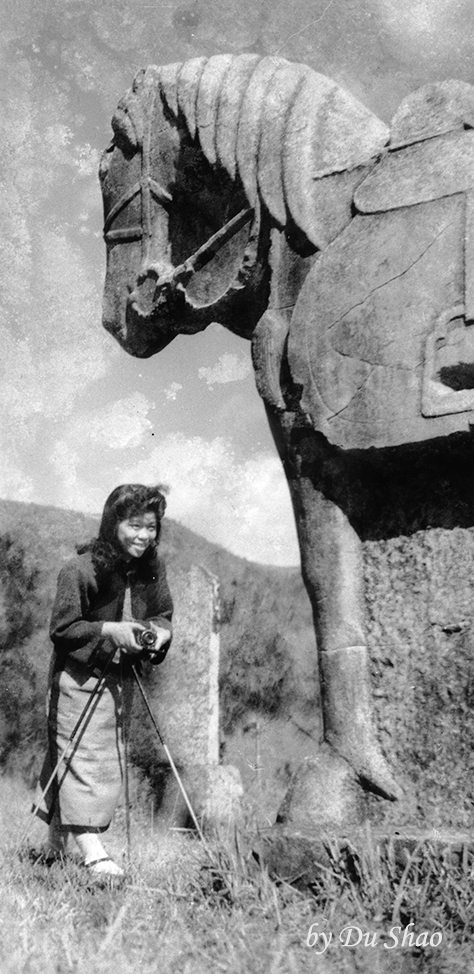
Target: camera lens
[[147, 638]]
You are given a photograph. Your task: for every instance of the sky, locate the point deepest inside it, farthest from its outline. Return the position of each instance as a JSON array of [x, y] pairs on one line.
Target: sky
[[79, 416]]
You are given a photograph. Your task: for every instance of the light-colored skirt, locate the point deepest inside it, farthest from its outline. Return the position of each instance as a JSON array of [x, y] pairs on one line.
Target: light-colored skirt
[[86, 787]]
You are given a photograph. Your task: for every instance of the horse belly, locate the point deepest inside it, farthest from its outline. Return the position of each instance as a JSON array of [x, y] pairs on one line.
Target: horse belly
[[360, 328]]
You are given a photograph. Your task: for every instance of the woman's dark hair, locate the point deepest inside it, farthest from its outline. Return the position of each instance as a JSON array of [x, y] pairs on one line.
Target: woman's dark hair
[[125, 502]]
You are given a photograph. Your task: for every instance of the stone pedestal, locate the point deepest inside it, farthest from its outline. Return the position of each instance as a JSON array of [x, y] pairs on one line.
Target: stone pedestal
[[420, 608], [325, 794]]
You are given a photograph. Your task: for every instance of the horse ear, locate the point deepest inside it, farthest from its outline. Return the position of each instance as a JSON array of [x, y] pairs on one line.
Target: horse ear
[[328, 131], [129, 119]]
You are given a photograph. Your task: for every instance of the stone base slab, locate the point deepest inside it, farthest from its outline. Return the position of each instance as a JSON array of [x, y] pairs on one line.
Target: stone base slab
[[301, 857]]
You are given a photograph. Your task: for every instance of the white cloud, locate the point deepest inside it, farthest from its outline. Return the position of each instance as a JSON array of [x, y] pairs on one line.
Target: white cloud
[[94, 448], [71, 489], [86, 160], [15, 483], [242, 505], [122, 425], [428, 30], [172, 391], [65, 461], [416, 17], [229, 368], [56, 346], [58, 137]]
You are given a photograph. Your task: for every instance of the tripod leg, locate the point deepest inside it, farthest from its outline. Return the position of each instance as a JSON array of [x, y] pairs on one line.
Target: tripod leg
[[168, 755], [215, 865], [126, 776], [85, 713]]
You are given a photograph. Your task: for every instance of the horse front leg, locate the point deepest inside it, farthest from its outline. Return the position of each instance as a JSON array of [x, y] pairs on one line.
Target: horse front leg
[[332, 567], [331, 562]]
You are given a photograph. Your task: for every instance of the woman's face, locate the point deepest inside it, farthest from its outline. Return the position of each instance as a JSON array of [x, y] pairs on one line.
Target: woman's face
[[137, 533]]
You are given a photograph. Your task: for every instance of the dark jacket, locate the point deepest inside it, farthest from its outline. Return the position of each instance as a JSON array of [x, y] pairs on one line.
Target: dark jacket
[[82, 605]]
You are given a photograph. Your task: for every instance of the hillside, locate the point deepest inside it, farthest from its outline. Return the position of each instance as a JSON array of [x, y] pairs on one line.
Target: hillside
[[268, 658], [50, 535]]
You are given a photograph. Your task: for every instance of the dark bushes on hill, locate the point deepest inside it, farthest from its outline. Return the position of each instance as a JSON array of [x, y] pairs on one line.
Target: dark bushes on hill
[[21, 708]]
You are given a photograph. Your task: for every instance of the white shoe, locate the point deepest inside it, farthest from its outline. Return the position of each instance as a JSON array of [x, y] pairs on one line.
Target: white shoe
[[104, 868]]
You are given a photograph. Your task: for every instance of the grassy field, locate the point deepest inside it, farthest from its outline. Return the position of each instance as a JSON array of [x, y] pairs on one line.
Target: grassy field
[[189, 909]]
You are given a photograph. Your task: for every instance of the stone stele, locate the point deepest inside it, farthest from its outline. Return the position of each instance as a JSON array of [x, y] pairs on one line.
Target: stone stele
[[184, 696]]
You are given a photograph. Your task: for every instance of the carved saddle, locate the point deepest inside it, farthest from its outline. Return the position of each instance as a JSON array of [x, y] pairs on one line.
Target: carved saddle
[[382, 337]]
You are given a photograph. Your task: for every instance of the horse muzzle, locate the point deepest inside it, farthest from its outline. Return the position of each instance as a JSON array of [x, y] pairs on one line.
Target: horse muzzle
[[154, 307]]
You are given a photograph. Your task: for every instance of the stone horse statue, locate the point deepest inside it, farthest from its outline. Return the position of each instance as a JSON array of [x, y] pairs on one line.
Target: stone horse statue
[[257, 193]]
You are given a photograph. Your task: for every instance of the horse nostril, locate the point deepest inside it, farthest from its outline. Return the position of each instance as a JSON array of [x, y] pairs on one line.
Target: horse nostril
[[158, 290], [151, 272], [141, 299], [156, 271]]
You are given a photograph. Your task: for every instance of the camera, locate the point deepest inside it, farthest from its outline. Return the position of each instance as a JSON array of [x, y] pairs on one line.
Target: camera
[[147, 639]]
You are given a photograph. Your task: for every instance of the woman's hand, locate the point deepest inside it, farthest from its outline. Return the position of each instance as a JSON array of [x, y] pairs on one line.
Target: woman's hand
[[157, 653], [123, 636], [163, 636]]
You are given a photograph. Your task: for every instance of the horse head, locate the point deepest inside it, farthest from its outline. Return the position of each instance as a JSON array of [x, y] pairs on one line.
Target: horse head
[[208, 158]]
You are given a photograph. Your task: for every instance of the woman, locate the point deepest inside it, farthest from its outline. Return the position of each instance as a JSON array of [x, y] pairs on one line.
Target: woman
[[108, 595]]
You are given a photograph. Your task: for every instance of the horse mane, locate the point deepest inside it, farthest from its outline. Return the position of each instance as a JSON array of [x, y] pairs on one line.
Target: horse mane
[[275, 124]]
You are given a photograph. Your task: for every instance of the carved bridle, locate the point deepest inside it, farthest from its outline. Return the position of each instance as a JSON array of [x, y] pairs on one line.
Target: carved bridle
[[166, 276]]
